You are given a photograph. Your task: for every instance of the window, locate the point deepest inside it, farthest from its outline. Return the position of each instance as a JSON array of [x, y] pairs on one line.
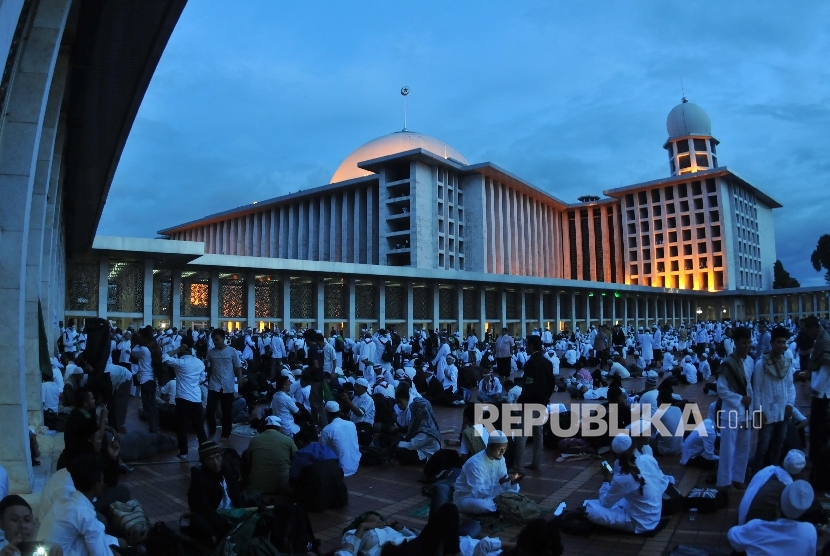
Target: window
[[644, 226], [669, 192], [673, 251], [451, 212], [698, 218], [646, 268], [702, 160], [698, 204], [460, 202], [704, 262], [655, 195], [687, 249], [440, 191], [687, 235], [675, 266], [460, 263], [713, 200], [701, 247], [632, 229], [695, 188], [687, 264], [719, 280], [441, 225], [632, 255], [632, 242], [672, 237], [441, 209], [682, 191], [452, 228], [441, 260], [710, 183], [452, 244], [644, 212], [461, 247], [643, 197], [672, 222], [658, 224], [684, 220], [631, 215], [633, 270], [460, 215], [646, 241], [646, 255], [658, 239], [700, 145], [452, 261], [716, 246], [714, 216], [657, 210], [659, 253], [683, 161], [682, 146], [714, 161], [440, 243], [684, 206], [704, 283], [670, 208], [629, 200], [701, 233]]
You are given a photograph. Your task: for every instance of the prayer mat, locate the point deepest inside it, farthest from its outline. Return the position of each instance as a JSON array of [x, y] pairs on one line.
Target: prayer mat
[[420, 512], [244, 429]]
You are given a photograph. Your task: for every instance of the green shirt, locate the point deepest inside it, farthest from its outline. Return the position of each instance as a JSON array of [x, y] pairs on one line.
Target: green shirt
[[271, 453]]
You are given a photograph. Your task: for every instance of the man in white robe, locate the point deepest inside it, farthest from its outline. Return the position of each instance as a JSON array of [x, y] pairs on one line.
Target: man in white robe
[[341, 436], [483, 477], [366, 359], [735, 391], [646, 346], [782, 536]]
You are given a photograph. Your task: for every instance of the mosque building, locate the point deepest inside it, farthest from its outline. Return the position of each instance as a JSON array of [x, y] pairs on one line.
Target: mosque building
[[409, 233]]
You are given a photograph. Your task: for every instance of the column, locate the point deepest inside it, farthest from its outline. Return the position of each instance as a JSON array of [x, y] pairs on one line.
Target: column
[[285, 279], [674, 312], [800, 307], [625, 309], [148, 292], [250, 282], [786, 307], [645, 299], [436, 307], [459, 310], [320, 311], [587, 311], [771, 308], [103, 286], [734, 314], [815, 305], [503, 309], [614, 309], [410, 308], [573, 311], [636, 311], [665, 311], [214, 298], [176, 302], [352, 320], [758, 307], [482, 312], [523, 315], [558, 311], [382, 304], [540, 301], [601, 309]]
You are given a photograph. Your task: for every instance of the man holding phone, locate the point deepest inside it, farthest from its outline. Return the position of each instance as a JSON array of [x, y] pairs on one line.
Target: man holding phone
[[484, 476]]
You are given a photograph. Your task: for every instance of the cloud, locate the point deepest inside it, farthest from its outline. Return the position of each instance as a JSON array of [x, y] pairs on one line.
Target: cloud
[[257, 99]]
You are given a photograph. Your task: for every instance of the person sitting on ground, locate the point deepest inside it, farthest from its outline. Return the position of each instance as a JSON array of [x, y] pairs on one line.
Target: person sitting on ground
[[83, 412], [489, 388], [362, 407], [210, 490], [473, 435], [484, 476], [782, 536], [341, 436], [72, 522], [648, 398], [670, 417], [284, 407], [310, 451], [617, 368], [699, 449], [632, 498], [18, 525], [422, 437], [763, 494], [268, 457]]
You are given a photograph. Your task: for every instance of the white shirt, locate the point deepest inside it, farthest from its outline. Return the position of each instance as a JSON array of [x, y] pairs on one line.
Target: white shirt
[[124, 348], [690, 372], [169, 390], [190, 372], [450, 378], [699, 444], [619, 369], [50, 396], [479, 478], [773, 538], [58, 487], [284, 407], [820, 382], [341, 437], [771, 395], [366, 404], [73, 524], [144, 364], [732, 400]]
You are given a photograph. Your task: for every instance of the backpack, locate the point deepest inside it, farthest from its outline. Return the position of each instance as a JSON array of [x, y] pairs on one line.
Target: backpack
[[164, 541], [288, 529], [55, 421], [388, 353], [516, 508], [339, 344], [705, 500], [129, 518]]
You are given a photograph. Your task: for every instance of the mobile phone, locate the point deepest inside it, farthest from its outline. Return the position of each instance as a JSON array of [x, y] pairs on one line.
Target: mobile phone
[[607, 467], [517, 476], [33, 548]]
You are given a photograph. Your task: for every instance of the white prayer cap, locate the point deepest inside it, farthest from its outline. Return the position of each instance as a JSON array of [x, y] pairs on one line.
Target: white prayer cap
[[169, 332], [273, 421], [687, 359], [77, 370], [338, 370], [794, 462], [410, 372], [796, 499], [621, 443], [497, 437], [332, 407], [285, 372], [361, 382]]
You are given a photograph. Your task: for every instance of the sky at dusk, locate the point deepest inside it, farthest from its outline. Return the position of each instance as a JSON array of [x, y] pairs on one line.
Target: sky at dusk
[[256, 99]]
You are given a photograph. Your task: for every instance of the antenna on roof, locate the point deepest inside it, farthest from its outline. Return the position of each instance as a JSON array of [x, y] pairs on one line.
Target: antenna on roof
[[683, 92], [404, 94]]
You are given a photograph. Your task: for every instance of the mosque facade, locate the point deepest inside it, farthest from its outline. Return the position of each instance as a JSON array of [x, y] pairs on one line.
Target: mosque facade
[[409, 233]]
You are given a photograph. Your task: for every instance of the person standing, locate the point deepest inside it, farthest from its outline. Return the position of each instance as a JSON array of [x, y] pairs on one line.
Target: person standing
[[537, 389], [504, 353], [774, 396], [315, 377], [224, 364], [735, 391], [818, 372], [189, 372], [146, 377]]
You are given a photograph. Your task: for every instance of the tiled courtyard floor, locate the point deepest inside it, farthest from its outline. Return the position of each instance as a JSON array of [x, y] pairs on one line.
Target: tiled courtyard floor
[[394, 491]]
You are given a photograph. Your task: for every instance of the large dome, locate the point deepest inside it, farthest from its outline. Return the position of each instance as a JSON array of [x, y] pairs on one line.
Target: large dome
[[393, 143], [688, 119]]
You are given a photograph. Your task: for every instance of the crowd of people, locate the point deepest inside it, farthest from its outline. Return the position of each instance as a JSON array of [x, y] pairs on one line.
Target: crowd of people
[[323, 405]]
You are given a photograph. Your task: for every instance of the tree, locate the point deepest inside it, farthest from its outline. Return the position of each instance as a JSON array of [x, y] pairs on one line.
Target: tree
[[821, 256], [782, 278]]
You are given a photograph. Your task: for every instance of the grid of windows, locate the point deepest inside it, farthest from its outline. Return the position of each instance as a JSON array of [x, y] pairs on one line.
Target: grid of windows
[[747, 240], [690, 155], [674, 236], [450, 221]]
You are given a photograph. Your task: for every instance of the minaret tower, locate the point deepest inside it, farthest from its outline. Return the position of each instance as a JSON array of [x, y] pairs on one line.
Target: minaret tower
[[690, 145]]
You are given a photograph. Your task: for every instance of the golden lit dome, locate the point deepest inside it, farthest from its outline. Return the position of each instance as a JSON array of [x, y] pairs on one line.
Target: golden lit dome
[[397, 142]]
